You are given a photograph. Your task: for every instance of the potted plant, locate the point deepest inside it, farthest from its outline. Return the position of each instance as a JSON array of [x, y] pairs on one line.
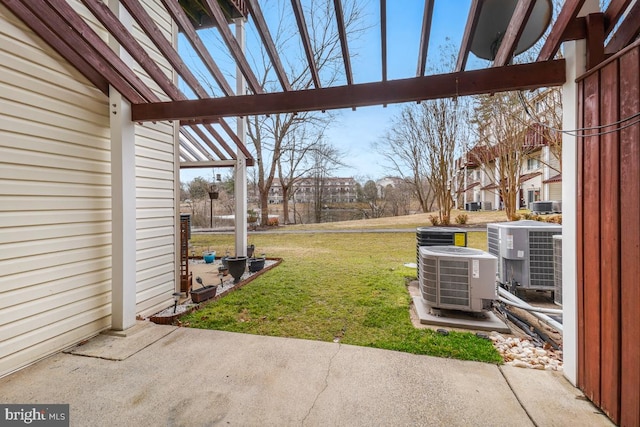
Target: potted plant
[[252, 216], [237, 266], [256, 264], [204, 293], [209, 256]]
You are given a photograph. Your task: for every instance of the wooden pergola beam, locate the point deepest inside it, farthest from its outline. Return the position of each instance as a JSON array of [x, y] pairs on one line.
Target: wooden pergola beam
[[514, 77], [267, 40], [180, 17], [306, 41], [164, 46], [425, 34], [208, 164], [383, 38], [467, 36], [34, 21], [555, 38], [613, 14], [102, 12], [196, 144], [514, 32], [626, 32], [220, 140], [344, 45], [229, 39]]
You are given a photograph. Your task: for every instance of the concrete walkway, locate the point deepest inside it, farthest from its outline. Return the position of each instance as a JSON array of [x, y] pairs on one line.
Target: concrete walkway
[[167, 376]]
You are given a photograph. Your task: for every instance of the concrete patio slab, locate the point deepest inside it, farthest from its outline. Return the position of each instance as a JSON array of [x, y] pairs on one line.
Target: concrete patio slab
[[459, 320], [192, 377], [115, 345]]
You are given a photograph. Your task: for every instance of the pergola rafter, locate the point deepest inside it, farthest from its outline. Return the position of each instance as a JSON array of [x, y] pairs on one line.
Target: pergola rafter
[[65, 30]]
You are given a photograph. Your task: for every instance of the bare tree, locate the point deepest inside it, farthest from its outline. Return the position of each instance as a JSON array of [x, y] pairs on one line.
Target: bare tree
[[294, 163], [268, 134], [444, 124], [372, 198], [325, 159], [403, 146], [501, 127], [422, 145]]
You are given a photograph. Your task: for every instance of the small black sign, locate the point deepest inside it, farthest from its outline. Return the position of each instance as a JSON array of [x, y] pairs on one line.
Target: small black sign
[[34, 415]]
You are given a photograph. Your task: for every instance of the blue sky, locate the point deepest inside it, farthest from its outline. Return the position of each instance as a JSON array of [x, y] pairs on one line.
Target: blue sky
[[355, 131]]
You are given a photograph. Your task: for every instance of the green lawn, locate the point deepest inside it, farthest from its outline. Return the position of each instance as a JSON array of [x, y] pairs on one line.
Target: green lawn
[[350, 287]]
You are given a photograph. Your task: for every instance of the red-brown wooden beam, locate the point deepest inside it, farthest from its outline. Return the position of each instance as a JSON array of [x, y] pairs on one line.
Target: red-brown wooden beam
[[427, 16], [306, 41], [383, 38], [34, 22], [196, 129], [220, 140], [196, 151], [555, 38], [180, 17], [217, 14], [197, 145], [164, 46], [595, 39], [344, 45], [467, 36], [514, 32], [84, 39], [137, 52], [267, 40], [613, 14], [514, 77], [626, 32], [225, 126]]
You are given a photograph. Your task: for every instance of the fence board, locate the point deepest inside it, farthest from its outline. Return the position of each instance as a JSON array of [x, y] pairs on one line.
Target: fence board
[[630, 238], [591, 218], [609, 243]]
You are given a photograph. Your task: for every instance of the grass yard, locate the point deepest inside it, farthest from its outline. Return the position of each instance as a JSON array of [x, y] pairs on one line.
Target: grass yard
[[348, 287]]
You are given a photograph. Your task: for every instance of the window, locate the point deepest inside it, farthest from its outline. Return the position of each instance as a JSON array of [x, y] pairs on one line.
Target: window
[[533, 163]]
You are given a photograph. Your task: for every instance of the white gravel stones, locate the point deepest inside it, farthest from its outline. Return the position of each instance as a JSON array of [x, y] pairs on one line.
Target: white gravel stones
[[522, 353]]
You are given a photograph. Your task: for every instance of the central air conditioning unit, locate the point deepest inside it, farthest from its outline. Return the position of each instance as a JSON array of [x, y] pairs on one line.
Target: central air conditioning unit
[[439, 236], [541, 207], [557, 269], [525, 253], [457, 278]]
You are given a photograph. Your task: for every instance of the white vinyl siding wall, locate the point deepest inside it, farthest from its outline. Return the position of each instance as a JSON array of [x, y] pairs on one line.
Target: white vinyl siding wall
[[55, 218], [55, 203], [155, 189]]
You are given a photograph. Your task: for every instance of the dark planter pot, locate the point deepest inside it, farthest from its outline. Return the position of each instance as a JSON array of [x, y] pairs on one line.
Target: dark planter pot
[[237, 266], [203, 294], [256, 264]]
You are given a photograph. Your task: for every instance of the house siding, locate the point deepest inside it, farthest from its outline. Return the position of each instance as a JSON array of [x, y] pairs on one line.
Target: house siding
[[55, 202]]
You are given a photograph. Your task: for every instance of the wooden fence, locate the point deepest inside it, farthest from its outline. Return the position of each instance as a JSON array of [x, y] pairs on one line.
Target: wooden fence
[[609, 236]]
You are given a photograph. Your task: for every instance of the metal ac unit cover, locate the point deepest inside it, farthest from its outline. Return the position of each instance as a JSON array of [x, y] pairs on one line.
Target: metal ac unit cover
[[457, 278], [557, 269], [542, 207], [525, 252]]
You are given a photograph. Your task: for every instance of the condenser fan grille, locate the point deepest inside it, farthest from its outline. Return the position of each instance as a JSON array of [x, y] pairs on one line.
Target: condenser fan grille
[[541, 258], [493, 241], [430, 285], [454, 282]]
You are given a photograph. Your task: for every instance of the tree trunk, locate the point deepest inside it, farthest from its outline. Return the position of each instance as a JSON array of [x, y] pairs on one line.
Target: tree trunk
[[285, 204]]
